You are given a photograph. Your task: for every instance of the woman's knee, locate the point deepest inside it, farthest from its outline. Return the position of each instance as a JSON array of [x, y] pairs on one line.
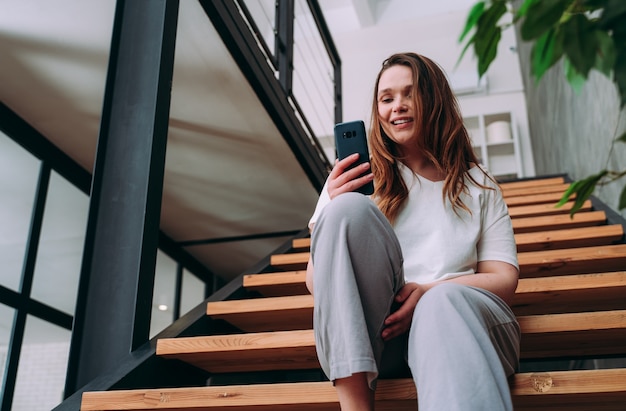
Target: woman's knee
[[450, 302], [443, 301], [442, 294], [347, 207]]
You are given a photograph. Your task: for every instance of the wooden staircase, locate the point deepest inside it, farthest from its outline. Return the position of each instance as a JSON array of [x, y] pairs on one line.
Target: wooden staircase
[[570, 302]]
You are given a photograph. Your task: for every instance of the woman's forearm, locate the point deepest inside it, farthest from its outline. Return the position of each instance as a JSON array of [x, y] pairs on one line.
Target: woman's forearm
[[495, 276]]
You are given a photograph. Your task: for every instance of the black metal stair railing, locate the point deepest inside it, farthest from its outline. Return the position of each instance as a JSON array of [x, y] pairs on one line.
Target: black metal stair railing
[[298, 46], [298, 80]]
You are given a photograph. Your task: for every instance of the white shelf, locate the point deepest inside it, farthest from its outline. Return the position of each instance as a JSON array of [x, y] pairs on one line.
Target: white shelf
[[497, 147]]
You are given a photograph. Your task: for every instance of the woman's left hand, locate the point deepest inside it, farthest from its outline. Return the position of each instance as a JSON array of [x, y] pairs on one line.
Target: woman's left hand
[[399, 321]]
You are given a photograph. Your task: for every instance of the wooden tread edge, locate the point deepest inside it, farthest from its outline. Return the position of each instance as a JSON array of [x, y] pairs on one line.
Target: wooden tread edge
[[536, 182], [557, 222], [558, 387], [579, 260], [277, 284], [545, 239], [545, 209], [509, 193], [535, 198], [569, 238], [543, 336], [527, 285], [547, 295]]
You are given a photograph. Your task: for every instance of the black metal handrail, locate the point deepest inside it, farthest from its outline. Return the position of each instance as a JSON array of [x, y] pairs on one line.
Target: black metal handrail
[[281, 61], [254, 27]]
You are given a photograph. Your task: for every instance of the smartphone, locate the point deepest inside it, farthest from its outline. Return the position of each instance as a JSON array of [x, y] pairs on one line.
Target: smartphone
[[350, 138]]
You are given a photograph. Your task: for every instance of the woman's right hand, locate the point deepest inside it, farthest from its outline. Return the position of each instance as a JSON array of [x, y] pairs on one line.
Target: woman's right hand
[[341, 180], [399, 322]]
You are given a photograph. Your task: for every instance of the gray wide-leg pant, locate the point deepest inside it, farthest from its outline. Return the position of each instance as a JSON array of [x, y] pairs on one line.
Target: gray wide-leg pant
[[463, 341]]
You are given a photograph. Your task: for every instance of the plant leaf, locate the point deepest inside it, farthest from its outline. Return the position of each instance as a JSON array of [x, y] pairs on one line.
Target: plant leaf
[[521, 12], [621, 138], [541, 16], [582, 195], [472, 18], [546, 51], [465, 48], [568, 193], [580, 43], [489, 54], [583, 190], [488, 21], [574, 78], [619, 74], [622, 199], [605, 59], [488, 36]]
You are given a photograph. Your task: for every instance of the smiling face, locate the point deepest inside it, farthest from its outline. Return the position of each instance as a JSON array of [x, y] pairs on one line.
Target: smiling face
[[396, 111]]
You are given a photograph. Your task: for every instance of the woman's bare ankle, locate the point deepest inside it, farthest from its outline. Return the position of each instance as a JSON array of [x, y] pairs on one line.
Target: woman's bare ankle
[[354, 393]]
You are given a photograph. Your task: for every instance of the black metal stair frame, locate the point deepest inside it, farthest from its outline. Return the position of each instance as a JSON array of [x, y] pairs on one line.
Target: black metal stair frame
[[141, 367]]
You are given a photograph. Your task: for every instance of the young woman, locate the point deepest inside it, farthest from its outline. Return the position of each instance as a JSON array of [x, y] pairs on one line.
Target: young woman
[[420, 273]]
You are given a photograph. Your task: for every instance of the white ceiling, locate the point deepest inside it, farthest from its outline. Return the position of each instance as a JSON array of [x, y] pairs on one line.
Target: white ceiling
[[354, 15]]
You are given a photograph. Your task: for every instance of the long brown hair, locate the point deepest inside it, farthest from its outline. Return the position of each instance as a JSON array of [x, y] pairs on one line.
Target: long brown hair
[[443, 137]]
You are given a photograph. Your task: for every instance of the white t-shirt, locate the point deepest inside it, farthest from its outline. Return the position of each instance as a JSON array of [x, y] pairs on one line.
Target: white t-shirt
[[437, 243]]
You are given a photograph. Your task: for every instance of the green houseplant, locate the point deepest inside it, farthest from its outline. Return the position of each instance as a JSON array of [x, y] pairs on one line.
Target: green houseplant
[[585, 34]]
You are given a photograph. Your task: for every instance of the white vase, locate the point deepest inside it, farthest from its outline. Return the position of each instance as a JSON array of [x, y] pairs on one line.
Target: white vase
[[499, 132]]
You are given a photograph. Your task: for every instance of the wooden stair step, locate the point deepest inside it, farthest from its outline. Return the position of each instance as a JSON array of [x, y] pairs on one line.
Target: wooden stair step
[[535, 198], [570, 293], [522, 225], [278, 350], [294, 312], [541, 240], [545, 209], [538, 182], [569, 238], [579, 390], [548, 295], [544, 189], [573, 334], [580, 260], [549, 335], [301, 244], [290, 261], [277, 284], [558, 222], [582, 292]]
